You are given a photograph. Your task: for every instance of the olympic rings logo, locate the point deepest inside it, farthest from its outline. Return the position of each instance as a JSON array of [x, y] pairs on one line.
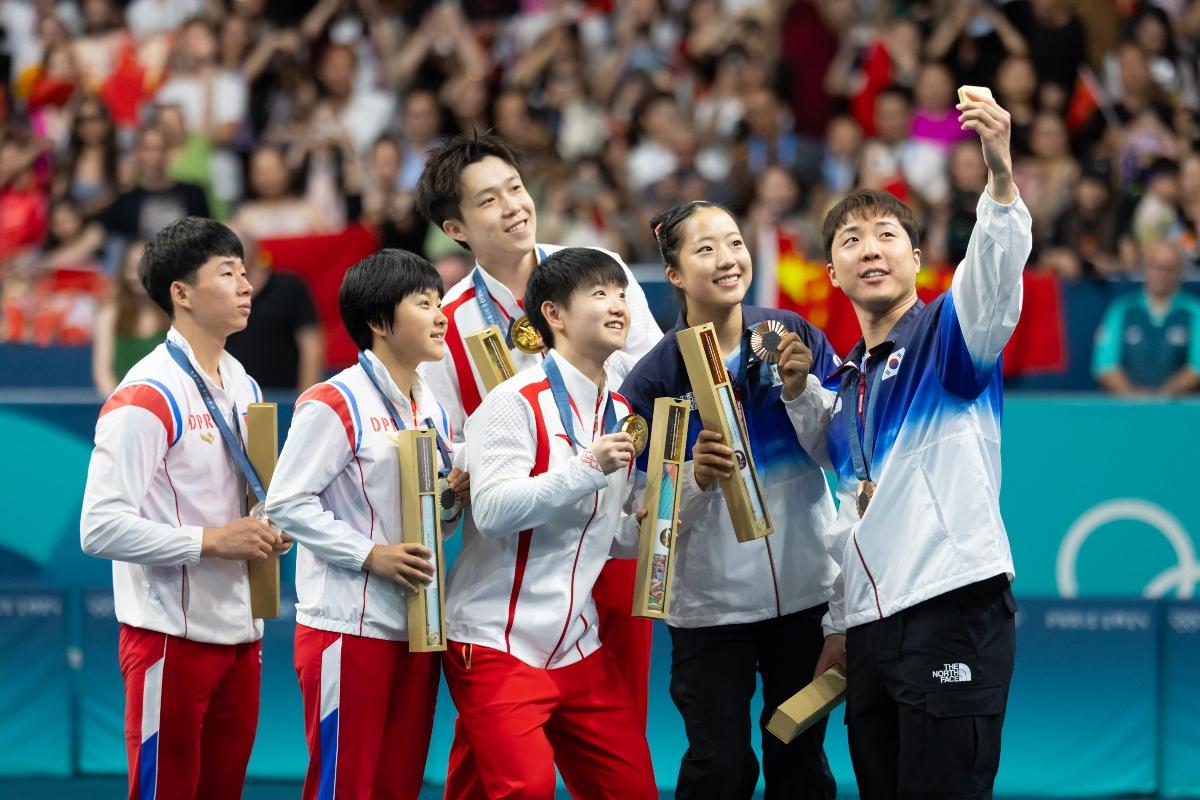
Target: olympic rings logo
[[1181, 578]]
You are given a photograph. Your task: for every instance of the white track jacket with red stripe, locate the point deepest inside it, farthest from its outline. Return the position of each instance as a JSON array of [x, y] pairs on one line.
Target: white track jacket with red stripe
[[336, 490], [546, 517], [454, 379], [160, 474]]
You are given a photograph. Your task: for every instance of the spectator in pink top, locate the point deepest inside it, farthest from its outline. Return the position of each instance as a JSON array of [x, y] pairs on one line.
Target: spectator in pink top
[[935, 120]]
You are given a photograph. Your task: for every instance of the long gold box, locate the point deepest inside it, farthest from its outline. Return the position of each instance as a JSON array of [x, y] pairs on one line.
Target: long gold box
[[809, 705], [664, 479], [490, 356], [720, 412], [421, 523], [262, 447]]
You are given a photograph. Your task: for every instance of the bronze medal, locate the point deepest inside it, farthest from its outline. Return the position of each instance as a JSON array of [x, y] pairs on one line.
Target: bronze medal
[[635, 425], [862, 498], [765, 341], [448, 503], [524, 336]]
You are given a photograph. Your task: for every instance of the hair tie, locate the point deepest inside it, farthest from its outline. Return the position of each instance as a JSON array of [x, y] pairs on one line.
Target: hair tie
[[657, 231]]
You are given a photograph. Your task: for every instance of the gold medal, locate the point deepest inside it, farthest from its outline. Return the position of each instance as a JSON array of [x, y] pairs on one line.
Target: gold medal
[[765, 340], [524, 336], [638, 431], [862, 498]]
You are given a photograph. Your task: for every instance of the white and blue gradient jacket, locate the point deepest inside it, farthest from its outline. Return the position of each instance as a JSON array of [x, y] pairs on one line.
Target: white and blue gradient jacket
[[934, 392], [719, 580]]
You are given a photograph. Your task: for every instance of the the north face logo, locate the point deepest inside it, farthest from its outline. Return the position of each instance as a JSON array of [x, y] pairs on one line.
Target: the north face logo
[[953, 673]]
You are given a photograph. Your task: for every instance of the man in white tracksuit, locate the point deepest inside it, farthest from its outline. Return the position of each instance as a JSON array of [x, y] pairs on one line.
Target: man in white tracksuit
[[166, 502]]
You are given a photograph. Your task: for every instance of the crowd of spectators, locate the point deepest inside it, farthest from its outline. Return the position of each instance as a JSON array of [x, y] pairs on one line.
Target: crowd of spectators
[[291, 119]]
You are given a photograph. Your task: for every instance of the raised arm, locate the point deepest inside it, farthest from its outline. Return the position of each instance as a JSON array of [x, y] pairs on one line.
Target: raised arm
[[986, 290]]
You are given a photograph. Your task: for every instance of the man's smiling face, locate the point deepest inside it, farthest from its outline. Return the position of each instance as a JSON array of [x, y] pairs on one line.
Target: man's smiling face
[[496, 212], [874, 262]]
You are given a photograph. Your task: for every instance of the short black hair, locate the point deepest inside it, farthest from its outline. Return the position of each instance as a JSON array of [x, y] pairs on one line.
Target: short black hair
[[439, 189], [372, 288], [564, 271], [865, 204], [178, 250], [667, 227]]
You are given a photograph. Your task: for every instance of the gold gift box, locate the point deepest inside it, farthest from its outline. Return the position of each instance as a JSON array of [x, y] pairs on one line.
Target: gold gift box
[[720, 412], [809, 705], [262, 448], [664, 474], [490, 356], [421, 523]]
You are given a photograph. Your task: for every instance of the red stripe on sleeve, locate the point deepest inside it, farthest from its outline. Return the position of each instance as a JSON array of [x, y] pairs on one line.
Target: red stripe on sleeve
[[468, 390], [531, 392], [330, 396], [621, 399], [143, 396], [541, 463]]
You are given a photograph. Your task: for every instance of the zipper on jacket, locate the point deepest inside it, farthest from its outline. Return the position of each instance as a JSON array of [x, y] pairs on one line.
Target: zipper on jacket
[[574, 567], [774, 578], [579, 546]]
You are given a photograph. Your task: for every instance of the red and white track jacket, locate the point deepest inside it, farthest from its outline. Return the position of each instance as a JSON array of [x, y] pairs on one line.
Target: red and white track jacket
[[336, 491], [159, 475], [546, 520], [454, 379]]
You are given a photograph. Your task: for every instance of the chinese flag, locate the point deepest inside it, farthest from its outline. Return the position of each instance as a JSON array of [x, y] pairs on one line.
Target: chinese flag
[[322, 261], [1038, 345]]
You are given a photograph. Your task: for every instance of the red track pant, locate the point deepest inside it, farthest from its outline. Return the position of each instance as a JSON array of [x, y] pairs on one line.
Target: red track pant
[[368, 714], [521, 721], [191, 711], [625, 637]]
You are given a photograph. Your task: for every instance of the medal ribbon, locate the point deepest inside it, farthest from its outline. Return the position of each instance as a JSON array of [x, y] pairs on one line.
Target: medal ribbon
[[860, 426], [232, 444], [366, 365], [441, 445], [741, 386], [744, 353], [562, 400], [491, 313]]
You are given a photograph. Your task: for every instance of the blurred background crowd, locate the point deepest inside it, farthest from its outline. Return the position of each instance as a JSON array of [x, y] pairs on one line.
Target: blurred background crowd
[[299, 121]]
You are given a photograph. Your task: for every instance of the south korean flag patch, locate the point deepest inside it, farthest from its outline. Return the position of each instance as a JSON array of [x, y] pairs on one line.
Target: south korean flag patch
[[893, 364]]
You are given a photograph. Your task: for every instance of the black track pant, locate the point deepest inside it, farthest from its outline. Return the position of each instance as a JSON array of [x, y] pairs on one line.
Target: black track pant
[[713, 674], [926, 694]]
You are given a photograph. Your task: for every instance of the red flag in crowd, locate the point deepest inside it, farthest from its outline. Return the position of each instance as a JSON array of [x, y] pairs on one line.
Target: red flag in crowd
[[322, 261]]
